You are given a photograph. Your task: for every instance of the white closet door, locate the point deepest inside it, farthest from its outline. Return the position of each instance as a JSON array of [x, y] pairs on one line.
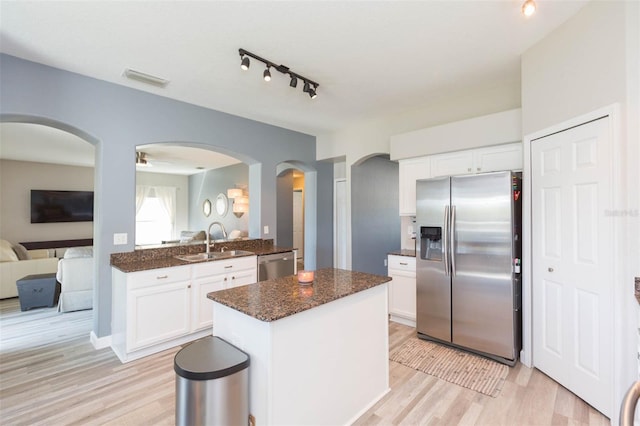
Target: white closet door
[[572, 261], [298, 222], [340, 224]]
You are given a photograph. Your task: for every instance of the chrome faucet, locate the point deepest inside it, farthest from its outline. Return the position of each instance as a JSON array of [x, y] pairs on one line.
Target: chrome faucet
[[224, 234]]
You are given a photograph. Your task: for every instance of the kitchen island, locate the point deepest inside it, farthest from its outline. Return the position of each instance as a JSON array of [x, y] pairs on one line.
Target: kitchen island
[[319, 353]]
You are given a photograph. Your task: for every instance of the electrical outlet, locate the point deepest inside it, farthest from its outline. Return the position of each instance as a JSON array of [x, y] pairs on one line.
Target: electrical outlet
[[385, 262], [120, 239], [266, 229]]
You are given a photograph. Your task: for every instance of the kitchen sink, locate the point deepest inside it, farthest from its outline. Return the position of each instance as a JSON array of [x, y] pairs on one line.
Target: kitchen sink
[[215, 255]]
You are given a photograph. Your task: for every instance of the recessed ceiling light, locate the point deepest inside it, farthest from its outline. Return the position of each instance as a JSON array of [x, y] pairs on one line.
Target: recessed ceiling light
[[528, 8], [145, 78]]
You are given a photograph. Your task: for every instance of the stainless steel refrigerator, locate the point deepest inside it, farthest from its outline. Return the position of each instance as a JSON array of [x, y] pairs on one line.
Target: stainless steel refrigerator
[[468, 263]]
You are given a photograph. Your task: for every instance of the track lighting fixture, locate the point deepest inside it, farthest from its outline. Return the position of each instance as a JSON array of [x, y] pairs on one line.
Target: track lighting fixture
[[528, 8], [244, 64]]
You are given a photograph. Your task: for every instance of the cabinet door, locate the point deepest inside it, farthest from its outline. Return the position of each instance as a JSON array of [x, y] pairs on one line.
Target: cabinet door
[[498, 158], [402, 294], [202, 307], [157, 314], [409, 172], [452, 163], [242, 277]]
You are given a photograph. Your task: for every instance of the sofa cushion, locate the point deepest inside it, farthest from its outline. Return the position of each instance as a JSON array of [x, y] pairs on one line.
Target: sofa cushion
[[21, 252], [78, 252], [6, 252]]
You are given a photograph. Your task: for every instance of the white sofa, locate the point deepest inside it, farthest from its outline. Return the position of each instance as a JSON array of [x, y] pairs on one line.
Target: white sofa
[[14, 267], [75, 274]]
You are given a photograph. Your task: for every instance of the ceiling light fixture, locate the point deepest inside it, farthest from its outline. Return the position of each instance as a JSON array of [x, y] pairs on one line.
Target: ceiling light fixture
[[528, 8], [145, 78], [141, 159], [280, 68], [245, 62]]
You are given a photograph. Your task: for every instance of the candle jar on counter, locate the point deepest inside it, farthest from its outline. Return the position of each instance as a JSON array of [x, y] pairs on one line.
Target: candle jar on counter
[[305, 277]]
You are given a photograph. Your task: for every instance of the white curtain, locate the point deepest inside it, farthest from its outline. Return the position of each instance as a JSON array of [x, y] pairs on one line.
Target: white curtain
[[142, 192], [167, 197]]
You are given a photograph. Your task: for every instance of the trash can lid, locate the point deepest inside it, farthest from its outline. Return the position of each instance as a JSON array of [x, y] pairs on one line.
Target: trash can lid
[[209, 358]]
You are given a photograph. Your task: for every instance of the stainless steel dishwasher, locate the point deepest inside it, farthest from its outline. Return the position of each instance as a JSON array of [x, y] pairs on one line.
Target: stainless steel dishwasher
[[276, 265]]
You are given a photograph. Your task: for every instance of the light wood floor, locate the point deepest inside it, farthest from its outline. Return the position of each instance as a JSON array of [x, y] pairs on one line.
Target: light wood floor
[[51, 375]]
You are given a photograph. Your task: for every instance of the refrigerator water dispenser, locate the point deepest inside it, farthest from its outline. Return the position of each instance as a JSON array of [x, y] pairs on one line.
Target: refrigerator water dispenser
[[431, 242]]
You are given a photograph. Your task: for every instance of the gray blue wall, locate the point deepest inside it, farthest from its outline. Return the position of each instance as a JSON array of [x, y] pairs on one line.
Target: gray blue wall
[[115, 119], [375, 215], [208, 185]]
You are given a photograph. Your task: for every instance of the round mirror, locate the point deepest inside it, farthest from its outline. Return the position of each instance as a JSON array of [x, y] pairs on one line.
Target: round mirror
[[206, 207], [222, 204]]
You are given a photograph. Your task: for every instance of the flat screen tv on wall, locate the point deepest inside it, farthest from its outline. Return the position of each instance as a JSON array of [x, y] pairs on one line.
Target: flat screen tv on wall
[[61, 206]]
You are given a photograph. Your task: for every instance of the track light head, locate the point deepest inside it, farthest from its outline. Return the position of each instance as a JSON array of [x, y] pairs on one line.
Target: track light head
[[312, 92], [306, 87], [245, 63], [294, 81], [267, 75]]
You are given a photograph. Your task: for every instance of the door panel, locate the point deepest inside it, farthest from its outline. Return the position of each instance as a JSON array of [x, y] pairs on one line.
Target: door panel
[[572, 261], [482, 283], [433, 286]]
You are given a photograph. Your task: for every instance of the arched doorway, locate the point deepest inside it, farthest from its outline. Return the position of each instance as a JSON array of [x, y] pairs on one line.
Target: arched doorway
[[296, 214]]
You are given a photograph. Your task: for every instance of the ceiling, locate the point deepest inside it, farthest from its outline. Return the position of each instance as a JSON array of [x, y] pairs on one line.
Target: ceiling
[[371, 58]]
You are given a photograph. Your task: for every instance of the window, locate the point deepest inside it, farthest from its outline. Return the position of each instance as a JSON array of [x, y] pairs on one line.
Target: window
[[155, 217]]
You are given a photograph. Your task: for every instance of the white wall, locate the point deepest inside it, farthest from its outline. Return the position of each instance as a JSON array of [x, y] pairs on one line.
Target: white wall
[[17, 179], [591, 62], [370, 137]]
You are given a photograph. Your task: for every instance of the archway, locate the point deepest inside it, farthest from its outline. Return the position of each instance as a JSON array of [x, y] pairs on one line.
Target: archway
[[45, 172], [285, 193]]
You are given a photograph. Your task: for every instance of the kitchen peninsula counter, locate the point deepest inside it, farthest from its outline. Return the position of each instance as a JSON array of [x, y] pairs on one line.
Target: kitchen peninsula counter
[[319, 353], [157, 257]]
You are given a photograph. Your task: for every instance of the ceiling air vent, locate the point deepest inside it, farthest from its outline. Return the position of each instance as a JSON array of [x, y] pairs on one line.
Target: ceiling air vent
[[145, 78]]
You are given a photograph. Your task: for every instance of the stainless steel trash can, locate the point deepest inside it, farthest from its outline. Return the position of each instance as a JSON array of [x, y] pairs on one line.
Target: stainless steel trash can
[[212, 384]]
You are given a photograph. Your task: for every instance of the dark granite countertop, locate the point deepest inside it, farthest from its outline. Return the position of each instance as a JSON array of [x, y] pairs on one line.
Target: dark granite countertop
[[279, 298], [164, 257], [404, 252]]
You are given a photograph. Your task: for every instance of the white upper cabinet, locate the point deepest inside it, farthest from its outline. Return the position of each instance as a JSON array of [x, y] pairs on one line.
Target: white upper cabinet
[[498, 158], [479, 160], [452, 163], [410, 171]]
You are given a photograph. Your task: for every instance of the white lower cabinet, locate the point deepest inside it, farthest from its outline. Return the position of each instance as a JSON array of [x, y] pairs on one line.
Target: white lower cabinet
[[402, 289], [160, 308], [214, 276], [158, 313]]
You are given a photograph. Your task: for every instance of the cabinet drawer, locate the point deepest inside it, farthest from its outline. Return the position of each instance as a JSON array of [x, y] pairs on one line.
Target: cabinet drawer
[[224, 266], [158, 276], [404, 263]]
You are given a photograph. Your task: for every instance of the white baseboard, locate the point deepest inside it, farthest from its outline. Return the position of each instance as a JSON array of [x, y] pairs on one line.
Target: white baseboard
[[99, 342]]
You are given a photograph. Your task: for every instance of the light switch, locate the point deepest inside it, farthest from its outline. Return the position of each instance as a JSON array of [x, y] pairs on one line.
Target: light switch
[[119, 239], [266, 229]]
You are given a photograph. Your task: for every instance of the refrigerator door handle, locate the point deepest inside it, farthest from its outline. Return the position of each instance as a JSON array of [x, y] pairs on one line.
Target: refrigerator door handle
[[452, 245], [445, 241]]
